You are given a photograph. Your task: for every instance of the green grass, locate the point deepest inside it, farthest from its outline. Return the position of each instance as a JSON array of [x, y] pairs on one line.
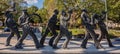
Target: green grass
[[2, 27], [114, 33], [77, 31]]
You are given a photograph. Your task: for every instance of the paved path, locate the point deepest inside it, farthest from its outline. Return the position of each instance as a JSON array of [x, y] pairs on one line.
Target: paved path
[[74, 47]]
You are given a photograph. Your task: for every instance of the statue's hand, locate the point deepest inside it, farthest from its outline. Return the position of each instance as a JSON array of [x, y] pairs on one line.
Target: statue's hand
[[70, 11]]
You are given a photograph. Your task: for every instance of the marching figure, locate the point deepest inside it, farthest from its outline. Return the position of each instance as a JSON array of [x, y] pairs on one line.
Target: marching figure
[[63, 30], [89, 30], [11, 24], [24, 21], [102, 26], [51, 27]]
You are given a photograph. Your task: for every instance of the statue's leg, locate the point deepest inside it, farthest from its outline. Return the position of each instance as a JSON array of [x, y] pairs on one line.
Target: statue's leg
[[100, 37], [102, 34], [94, 37], [54, 32], [69, 36], [57, 27], [20, 41], [57, 40], [108, 39], [37, 44], [42, 40], [17, 33], [84, 42], [9, 38]]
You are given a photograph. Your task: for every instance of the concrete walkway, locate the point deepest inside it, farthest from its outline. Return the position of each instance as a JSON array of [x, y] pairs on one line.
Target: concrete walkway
[[74, 47]]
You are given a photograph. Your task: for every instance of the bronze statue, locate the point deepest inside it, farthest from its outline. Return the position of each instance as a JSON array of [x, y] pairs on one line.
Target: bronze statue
[[102, 26], [51, 27], [63, 30], [24, 22], [11, 24], [89, 30]]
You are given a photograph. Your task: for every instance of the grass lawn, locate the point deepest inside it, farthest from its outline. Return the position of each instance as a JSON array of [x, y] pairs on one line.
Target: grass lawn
[[77, 31], [80, 32], [112, 33]]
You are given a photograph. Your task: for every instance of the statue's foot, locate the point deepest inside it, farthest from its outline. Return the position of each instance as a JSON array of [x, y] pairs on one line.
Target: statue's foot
[[100, 47], [37, 47], [22, 44], [18, 47], [64, 47], [41, 46], [8, 45], [111, 46], [55, 47], [50, 45], [83, 47]]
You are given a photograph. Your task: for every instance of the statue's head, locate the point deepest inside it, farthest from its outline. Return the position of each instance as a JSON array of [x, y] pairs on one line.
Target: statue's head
[[95, 15], [70, 11], [24, 11], [63, 13], [10, 10], [84, 10], [103, 12], [12, 7], [7, 13], [56, 11]]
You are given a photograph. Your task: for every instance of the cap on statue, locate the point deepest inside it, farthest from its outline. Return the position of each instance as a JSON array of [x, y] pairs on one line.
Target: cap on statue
[[84, 10]]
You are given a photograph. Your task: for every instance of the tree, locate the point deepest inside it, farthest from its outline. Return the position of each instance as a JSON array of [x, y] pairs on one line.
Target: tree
[[44, 15], [114, 9], [93, 6], [32, 9], [5, 4]]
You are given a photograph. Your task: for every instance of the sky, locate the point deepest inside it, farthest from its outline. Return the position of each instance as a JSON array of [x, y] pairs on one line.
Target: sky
[[38, 3]]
